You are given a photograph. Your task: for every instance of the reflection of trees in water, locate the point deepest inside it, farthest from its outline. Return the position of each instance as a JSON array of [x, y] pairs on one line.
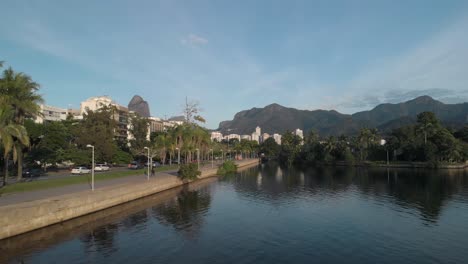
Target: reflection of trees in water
[[426, 190], [100, 239], [185, 213], [272, 181], [135, 219]]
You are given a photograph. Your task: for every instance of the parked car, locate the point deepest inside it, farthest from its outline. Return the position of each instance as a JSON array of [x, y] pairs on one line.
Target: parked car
[[155, 164], [134, 165], [80, 170], [32, 172], [101, 167]]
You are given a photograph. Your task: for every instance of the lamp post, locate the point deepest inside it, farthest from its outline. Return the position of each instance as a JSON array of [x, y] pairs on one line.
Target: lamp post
[[198, 158], [178, 156], [92, 166], [212, 158], [147, 176], [383, 142]]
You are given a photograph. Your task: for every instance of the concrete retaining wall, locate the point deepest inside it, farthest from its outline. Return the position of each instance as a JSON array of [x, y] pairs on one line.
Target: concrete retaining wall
[[27, 216]]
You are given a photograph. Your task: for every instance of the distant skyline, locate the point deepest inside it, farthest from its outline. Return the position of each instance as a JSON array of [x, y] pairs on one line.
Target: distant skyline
[[234, 55]]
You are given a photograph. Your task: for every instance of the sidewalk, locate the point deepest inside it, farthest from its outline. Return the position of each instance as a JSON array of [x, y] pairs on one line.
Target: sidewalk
[[20, 197]]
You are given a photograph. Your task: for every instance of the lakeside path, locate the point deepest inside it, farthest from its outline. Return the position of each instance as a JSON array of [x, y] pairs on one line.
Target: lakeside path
[[19, 197], [27, 211]]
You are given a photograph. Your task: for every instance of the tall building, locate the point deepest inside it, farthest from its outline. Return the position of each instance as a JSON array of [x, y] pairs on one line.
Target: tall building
[[232, 136], [246, 137], [265, 136], [216, 136], [257, 134], [51, 113], [120, 113], [277, 138], [298, 132]]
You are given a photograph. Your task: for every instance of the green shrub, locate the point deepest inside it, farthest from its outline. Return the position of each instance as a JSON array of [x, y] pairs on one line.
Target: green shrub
[[227, 167], [189, 171]]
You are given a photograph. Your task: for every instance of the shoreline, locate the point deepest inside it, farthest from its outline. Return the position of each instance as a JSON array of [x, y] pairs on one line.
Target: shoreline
[[23, 217], [407, 165]]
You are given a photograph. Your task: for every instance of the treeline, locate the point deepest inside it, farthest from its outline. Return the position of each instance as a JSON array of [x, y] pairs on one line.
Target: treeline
[[24, 143], [426, 141]]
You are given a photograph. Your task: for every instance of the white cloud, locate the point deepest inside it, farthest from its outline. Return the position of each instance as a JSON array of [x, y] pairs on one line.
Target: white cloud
[[194, 40]]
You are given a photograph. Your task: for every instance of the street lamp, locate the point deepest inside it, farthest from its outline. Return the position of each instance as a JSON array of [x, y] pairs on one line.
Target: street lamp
[[147, 176], [92, 168], [212, 158], [198, 158], [383, 142], [178, 156]]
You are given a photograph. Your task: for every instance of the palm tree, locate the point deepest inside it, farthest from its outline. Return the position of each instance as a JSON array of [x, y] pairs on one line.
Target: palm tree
[[19, 91], [10, 131]]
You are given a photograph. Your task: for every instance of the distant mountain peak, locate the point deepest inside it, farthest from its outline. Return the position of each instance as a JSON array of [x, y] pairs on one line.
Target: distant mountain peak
[[423, 99], [139, 106]]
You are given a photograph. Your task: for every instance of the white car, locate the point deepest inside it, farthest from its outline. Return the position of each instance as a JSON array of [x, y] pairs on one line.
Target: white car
[[80, 170], [101, 167]]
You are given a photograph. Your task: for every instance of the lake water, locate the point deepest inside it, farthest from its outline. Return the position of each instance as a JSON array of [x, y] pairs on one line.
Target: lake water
[[271, 214]]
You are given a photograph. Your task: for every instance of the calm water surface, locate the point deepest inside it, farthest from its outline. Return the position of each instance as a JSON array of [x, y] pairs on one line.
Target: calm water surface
[[271, 214]]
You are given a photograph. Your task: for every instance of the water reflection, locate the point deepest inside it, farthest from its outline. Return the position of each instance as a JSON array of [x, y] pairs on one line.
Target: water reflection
[[425, 190], [101, 239], [186, 212], [98, 232]]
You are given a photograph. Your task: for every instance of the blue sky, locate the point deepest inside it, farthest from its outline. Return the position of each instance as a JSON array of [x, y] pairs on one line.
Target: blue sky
[[235, 55]]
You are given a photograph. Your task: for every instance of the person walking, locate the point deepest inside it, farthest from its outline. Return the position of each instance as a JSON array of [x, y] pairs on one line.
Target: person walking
[[152, 171]]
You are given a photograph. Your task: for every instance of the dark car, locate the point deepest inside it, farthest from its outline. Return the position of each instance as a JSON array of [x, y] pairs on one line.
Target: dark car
[[135, 165], [32, 172]]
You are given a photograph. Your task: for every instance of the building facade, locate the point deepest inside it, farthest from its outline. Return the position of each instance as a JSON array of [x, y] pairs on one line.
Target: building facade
[[51, 113]]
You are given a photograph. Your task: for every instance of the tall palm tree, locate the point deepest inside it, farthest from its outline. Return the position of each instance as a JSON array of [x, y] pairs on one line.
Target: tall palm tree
[[10, 131], [20, 91]]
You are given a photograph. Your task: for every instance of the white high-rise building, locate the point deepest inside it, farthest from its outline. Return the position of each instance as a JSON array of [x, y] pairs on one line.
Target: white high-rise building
[[298, 132], [120, 114], [265, 136], [246, 137], [232, 136], [51, 113], [215, 135], [257, 134], [277, 138]]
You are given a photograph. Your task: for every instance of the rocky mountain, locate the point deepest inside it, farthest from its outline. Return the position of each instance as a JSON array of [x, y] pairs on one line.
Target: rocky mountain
[[140, 106], [275, 118]]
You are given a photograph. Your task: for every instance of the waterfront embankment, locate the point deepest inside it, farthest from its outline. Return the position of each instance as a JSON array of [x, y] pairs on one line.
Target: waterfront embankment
[[22, 217]]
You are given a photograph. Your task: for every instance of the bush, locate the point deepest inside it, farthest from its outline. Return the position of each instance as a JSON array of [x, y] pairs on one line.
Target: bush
[[121, 157], [227, 167], [189, 171]]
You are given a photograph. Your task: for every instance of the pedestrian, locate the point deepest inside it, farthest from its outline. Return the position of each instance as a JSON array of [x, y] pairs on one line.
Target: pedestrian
[[152, 171]]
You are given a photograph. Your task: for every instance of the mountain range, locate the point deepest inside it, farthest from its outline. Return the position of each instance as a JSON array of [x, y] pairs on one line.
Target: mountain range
[[275, 118]]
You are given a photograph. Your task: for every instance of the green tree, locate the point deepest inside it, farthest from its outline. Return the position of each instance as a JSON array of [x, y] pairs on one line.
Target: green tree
[[20, 91], [9, 132], [139, 130], [290, 148], [427, 124], [97, 128], [49, 141]]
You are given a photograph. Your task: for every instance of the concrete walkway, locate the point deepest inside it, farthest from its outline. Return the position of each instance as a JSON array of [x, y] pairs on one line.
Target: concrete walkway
[[19, 197]]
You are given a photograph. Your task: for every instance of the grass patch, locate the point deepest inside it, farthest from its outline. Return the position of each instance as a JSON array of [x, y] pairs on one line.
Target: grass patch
[[54, 183]]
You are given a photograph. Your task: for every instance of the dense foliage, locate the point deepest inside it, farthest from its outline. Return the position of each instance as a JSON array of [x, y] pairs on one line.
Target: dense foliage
[[227, 167], [426, 141], [189, 171]]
